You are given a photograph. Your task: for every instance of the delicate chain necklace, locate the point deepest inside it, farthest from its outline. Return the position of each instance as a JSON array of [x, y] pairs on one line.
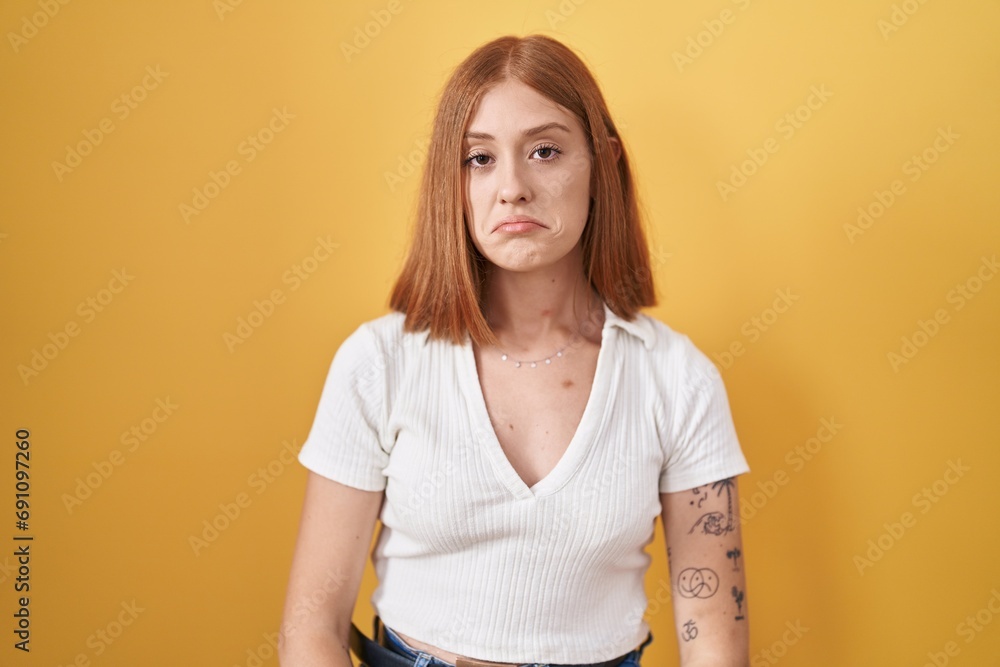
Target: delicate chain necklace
[[546, 360]]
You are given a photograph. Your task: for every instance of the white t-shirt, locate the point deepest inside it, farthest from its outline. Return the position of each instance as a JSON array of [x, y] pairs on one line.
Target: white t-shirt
[[472, 560]]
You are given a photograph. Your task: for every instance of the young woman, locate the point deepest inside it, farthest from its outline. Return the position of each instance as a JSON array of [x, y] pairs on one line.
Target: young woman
[[515, 423]]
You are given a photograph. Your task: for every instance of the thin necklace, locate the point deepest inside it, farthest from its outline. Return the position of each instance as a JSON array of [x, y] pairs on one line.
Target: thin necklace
[[546, 360]]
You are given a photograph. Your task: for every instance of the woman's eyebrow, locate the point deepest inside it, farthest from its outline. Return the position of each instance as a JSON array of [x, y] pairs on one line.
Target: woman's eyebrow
[[483, 136]]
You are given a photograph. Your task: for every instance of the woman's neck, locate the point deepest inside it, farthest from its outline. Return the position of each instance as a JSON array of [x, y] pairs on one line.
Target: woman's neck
[[532, 310]]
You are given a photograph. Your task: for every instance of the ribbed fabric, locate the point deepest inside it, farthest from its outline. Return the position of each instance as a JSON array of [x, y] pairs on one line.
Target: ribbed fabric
[[471, 560]]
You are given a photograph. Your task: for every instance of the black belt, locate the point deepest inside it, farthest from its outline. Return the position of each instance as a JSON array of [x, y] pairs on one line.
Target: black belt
[[375, 654]]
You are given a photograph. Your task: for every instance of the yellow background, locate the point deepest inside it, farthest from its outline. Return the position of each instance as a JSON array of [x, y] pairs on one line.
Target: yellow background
[[343, 169]]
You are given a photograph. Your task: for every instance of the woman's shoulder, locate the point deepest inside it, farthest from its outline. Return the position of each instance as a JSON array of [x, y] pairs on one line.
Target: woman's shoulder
[[673, 350], [657, 335], [380, 338]]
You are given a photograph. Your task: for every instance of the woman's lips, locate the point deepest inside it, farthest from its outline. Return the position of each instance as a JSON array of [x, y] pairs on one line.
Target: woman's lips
[[517, 224], [518, 227]]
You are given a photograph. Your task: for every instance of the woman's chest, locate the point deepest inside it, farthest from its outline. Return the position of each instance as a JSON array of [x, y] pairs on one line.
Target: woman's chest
[[535, 413], [538, 465]]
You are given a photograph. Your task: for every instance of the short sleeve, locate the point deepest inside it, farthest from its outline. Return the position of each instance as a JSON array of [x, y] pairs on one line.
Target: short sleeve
[[701, 441], [344, 443]]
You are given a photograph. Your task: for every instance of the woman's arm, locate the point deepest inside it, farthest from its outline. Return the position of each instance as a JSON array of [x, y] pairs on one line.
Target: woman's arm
[[708, 586], [335, 533]]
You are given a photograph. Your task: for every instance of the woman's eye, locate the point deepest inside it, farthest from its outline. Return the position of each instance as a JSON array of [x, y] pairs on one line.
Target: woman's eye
[[472, 160], [545, 154], [551, 153]]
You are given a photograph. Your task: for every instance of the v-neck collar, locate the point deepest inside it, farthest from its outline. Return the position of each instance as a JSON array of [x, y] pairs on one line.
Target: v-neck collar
[[586, 432]]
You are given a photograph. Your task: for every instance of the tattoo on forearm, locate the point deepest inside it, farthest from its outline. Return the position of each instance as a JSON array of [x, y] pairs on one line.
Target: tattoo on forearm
[[697, 582], [711, 523], [690, 631], [735, 554], [738, 596]]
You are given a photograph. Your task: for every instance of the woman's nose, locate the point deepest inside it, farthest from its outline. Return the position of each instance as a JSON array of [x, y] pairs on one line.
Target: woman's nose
[[514, 184]]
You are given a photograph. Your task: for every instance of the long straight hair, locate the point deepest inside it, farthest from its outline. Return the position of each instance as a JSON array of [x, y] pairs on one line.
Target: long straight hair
[[441, 285]]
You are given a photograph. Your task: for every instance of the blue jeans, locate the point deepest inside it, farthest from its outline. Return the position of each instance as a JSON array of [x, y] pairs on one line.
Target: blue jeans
[[422, 659]]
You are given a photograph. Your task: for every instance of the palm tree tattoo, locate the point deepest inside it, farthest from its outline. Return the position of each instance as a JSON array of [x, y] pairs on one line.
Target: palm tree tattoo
[[717, 523]]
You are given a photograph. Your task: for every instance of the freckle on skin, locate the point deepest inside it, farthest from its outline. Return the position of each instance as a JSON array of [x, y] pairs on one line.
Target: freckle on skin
[[567, 383], [511, 426]]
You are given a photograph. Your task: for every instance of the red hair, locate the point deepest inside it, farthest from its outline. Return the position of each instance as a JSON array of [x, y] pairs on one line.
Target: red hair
[[442, 282]]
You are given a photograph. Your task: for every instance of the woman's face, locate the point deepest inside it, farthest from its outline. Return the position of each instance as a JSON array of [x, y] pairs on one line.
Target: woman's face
[[525, 156]]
